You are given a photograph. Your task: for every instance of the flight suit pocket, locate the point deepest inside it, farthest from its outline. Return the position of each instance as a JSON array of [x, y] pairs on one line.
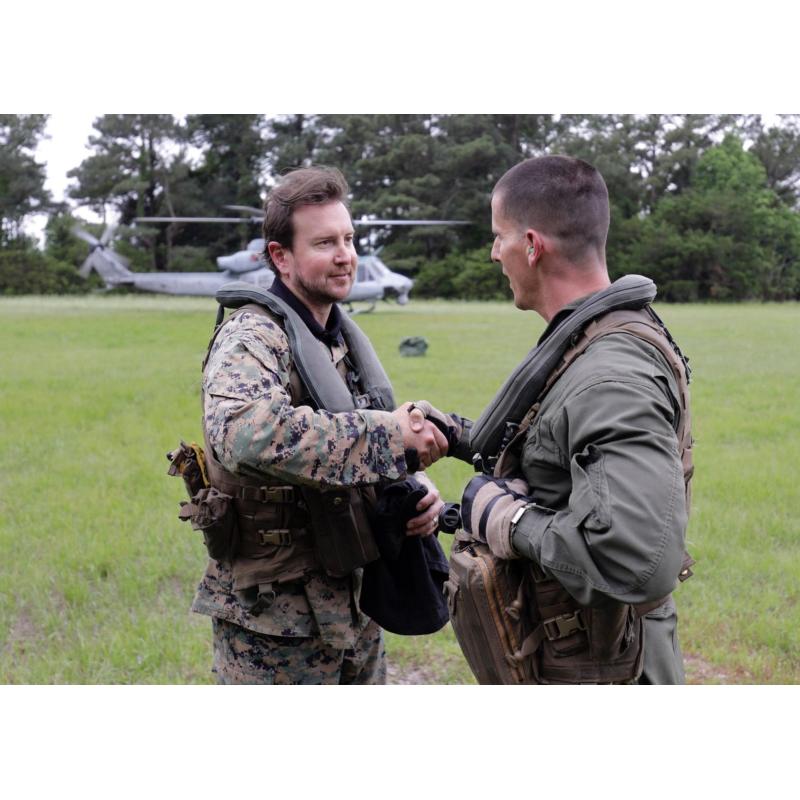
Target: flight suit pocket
[[590, 498]]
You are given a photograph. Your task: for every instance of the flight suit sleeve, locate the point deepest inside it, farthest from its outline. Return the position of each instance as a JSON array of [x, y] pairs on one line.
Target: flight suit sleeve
[[252, 425], [621, 535]]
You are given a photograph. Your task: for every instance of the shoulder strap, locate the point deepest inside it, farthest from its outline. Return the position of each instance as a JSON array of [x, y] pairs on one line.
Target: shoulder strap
[[501, 417], [645, 324]]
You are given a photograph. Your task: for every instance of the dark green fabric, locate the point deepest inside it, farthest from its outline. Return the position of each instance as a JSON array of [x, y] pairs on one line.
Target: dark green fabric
[[602, 452]]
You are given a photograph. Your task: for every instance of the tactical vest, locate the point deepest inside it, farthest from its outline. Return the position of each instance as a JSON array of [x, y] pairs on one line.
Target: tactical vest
[[542, 633], [286, 531]]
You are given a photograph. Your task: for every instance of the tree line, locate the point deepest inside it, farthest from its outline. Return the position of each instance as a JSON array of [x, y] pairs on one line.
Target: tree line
[[705, 204]]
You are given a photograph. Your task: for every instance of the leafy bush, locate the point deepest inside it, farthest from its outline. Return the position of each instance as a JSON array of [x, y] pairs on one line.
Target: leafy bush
[[679, 292], [187, 258], [465, 276], [27, 271]]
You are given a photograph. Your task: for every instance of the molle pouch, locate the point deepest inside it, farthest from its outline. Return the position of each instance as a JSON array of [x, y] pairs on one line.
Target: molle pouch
[[616, 635], [342, 532], [214, 514], [487, 599], [188, 461]]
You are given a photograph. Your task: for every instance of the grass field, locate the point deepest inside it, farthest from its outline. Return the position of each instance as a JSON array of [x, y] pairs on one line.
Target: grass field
[[97, 574]]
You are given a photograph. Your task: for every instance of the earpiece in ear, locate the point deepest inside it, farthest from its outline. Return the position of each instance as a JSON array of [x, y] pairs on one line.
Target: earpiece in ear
[[531, 250]]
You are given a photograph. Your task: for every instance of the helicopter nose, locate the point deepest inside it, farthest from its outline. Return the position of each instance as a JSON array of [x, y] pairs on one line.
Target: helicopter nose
[[224, 262]]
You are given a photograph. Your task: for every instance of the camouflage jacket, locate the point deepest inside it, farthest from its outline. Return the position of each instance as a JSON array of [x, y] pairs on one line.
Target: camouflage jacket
[[253, 427]]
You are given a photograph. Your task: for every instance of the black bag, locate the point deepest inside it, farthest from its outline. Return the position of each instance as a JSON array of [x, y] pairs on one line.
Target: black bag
[[403, 590]]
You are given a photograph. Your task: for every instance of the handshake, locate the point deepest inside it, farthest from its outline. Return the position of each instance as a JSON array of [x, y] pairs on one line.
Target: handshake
[[429, 434]]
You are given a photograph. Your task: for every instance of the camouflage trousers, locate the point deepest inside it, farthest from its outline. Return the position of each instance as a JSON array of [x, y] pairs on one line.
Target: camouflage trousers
[[246, 657]]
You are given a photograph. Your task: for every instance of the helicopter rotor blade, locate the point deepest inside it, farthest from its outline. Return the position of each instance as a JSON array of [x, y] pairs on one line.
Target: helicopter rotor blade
[[86, 267], [410, 222], [193, 219], [247, 209], [85, 235], [107, 234]]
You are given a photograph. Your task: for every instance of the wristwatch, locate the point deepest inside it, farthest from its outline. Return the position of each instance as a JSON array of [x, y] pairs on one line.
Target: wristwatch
[[518, 514]]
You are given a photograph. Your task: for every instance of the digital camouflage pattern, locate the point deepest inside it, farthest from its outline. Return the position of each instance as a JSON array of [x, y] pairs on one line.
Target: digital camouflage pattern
[[317, 606], [242, 657], [252, 425], [253, 428]]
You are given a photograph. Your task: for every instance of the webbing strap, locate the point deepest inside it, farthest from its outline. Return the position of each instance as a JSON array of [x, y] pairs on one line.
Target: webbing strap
[[645, 325]]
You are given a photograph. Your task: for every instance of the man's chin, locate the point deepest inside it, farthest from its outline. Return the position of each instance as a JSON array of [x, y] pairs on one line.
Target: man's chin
[[338, 290]]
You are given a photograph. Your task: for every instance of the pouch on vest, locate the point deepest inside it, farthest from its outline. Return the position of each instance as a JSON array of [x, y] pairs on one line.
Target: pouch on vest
[[490, 600], [342, 534], [486, 597], [208, 510], [213, 513], [188, 461]]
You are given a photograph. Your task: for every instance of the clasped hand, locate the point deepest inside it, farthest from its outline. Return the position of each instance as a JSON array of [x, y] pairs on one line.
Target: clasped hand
[[420, 435]]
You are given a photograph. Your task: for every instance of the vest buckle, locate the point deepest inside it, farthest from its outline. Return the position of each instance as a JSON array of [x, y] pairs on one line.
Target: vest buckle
[[279, 536], [268, 494], [563, 625]]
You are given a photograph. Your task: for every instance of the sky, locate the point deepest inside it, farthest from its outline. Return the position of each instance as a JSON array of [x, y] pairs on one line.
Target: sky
[[65, 148]]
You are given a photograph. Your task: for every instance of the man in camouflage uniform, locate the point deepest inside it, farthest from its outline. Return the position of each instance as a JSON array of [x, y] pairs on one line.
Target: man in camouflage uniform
[[313, 632]]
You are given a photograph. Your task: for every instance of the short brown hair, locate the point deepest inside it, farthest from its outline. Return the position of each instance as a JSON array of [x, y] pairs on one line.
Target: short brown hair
[[300, 187], [563, 197]]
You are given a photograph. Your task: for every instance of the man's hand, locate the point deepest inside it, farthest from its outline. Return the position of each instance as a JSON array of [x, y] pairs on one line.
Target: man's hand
[[456, 429], [420, 435], [425, 523], [487, 508]]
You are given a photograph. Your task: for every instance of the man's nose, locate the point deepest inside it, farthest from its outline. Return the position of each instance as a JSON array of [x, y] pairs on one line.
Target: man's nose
[[342, 252]]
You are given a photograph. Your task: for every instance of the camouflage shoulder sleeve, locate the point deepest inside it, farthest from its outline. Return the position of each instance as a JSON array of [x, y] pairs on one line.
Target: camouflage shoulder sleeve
[[251, 423]]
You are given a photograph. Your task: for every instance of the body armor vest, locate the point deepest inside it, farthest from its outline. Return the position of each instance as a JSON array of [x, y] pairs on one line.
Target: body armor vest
[[569, 643], [286, 531]]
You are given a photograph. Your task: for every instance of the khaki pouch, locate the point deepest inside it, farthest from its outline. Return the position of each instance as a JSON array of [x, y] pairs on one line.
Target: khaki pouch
[[213, 513]]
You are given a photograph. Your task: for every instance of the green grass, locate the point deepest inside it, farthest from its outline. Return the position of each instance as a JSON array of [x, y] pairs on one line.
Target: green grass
[[96, 572]]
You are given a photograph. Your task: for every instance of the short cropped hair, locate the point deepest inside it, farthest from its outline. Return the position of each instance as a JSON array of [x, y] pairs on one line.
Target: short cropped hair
[[562, 197], [300, 187]]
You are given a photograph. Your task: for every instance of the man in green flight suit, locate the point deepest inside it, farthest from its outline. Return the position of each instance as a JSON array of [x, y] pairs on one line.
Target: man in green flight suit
[[593, 486], [278, 615]]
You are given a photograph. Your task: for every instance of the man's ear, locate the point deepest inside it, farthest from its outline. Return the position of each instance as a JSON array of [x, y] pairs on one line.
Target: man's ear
[[277, 252], [534, 244]]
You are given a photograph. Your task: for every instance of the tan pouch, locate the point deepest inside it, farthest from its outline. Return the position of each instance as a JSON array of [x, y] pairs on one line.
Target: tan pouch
[[214, 514], [486, 597]]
